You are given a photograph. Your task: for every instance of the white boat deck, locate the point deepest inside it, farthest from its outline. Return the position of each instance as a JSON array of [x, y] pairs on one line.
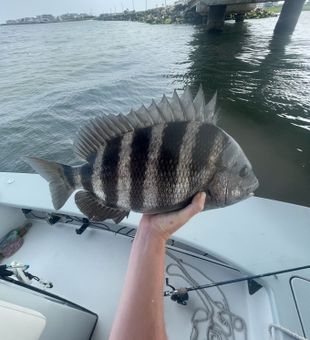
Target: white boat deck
[[279, 232], [89, 270], [256, 236]]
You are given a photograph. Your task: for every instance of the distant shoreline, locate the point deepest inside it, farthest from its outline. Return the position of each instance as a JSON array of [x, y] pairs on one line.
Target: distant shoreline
[[171, 15], [49, 19], [43, 23]]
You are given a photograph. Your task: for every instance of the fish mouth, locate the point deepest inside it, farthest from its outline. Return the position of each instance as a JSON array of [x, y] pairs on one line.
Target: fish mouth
[[255, 185], [252, 188]]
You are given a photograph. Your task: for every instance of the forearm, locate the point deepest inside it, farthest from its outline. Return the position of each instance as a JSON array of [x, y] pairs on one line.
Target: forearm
[[140, 311], [140, 314]]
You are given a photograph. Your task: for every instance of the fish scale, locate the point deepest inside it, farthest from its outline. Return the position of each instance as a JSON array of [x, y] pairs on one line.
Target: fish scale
[[109, 170], [152, 160], [150, 191], [139, 155]]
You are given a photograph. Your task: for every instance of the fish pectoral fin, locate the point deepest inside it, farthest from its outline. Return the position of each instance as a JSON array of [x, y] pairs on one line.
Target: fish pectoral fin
[[96, 209]]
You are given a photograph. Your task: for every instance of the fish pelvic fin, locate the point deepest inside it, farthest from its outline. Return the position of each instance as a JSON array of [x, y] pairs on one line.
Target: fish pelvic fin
[[96, 209], [62, 179]]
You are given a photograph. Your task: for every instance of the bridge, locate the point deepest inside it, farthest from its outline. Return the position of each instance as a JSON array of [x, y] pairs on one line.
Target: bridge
[[216, 10]]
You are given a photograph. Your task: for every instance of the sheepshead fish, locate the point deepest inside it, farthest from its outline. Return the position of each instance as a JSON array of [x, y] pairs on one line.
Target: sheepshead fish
[[152, 160]]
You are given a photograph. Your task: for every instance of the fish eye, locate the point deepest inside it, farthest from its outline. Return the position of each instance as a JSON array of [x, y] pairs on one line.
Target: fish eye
[[244, 171]]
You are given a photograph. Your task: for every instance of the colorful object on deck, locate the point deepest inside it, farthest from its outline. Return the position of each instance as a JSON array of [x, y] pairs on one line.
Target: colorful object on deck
[[12, 241]]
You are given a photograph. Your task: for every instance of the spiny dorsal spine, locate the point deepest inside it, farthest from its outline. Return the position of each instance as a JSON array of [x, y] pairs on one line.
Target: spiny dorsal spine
[[101, 130]]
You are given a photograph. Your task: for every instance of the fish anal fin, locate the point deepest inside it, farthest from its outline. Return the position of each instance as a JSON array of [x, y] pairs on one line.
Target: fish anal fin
[[96, 209]]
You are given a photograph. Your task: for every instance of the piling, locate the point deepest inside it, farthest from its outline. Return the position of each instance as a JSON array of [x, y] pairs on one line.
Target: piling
[[289, 16], [239, 17], [216, 18]]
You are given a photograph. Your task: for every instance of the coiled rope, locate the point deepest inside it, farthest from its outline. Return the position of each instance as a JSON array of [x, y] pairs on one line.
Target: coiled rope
[[284, 330], [221, 322]]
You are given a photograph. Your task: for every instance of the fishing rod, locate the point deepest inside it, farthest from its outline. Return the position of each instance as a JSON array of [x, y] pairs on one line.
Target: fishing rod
[[180, 295]]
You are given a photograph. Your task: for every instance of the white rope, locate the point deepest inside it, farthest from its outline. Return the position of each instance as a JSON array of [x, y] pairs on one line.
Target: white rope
[[17, 269], [284, 330]]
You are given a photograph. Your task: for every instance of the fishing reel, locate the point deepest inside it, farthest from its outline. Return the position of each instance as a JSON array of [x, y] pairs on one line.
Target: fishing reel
[[180, 295]]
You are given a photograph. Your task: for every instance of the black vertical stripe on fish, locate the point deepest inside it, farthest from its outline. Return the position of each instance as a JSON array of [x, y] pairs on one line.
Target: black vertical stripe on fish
[[204, 150], [109, 172], [86, 176], [168, 161], [138, 165], [68, 173]]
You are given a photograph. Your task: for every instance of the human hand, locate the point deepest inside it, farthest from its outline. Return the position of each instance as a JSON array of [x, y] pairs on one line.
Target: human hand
[[164, 225]]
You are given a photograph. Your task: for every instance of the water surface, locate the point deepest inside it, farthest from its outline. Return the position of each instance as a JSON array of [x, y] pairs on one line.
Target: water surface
[[54, 77]]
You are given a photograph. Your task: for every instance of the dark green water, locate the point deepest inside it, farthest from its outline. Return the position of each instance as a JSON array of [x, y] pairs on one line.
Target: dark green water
[[54, 77]]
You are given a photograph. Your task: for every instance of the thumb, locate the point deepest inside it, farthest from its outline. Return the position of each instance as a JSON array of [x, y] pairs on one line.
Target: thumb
[[194, 208]]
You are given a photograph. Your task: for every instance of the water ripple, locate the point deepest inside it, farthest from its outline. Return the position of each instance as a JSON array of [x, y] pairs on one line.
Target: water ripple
[[54, 77]]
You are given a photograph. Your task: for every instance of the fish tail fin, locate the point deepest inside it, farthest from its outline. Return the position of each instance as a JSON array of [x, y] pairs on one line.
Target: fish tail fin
[[62, 178]]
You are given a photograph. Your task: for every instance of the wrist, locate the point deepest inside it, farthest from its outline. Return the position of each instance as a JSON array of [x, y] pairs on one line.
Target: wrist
[[149, 233]]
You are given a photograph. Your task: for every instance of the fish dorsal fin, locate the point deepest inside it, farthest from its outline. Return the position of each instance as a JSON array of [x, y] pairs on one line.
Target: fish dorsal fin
[[188, 104], [166, 109], [177, 107], [156, 114], [98, 131], [210, 110]]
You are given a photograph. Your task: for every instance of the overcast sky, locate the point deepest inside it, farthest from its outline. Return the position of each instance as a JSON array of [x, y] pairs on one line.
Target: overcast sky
[[14, 9]]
